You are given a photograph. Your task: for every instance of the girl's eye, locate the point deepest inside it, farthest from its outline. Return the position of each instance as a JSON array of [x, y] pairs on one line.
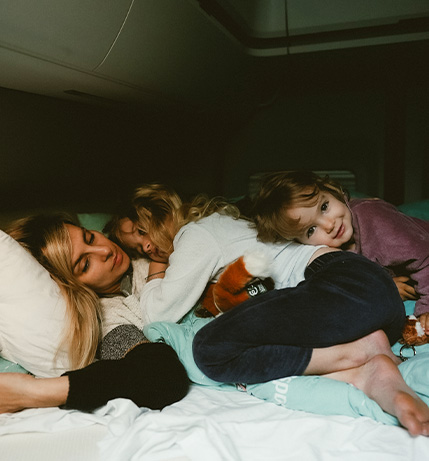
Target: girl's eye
[[141, 232], [310, 231], [324, 206]]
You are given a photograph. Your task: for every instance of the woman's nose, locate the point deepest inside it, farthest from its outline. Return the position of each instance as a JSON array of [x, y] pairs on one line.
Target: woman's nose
[[102, 250]]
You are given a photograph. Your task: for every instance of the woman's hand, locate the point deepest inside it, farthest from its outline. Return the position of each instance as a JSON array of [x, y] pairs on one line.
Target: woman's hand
[[406, 291]]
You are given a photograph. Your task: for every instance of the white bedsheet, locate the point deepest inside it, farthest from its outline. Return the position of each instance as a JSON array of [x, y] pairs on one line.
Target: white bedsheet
[[212, 425]]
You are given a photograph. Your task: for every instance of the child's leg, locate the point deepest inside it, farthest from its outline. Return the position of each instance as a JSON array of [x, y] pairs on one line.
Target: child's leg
[[345, 298], [350, 355]]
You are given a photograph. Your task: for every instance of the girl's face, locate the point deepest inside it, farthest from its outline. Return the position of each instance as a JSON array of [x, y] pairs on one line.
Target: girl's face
[[328, 222], [97, 261], [139, 242]]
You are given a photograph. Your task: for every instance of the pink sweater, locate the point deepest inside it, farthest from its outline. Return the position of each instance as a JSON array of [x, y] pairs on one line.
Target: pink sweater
[[398, 242]]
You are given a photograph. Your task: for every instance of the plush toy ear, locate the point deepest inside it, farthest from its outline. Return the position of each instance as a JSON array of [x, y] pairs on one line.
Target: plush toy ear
[[235, 283], [413, 333]]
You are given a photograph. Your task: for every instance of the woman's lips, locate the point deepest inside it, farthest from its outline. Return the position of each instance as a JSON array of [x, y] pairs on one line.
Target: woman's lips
[[118, 259]]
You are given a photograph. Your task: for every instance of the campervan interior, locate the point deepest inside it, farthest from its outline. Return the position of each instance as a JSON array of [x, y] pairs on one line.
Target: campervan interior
[[97, 96], [204, 94]]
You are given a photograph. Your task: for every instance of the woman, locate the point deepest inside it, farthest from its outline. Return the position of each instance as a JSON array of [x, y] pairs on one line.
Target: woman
[[89, 267]]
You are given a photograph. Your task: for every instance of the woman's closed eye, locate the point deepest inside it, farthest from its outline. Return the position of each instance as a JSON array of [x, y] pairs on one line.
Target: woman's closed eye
[[141, 232], [89, 238], [85, 265]]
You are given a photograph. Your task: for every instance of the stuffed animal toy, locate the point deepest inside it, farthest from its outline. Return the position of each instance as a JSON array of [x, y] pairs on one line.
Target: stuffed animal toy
[[246, 277], [413, 333]]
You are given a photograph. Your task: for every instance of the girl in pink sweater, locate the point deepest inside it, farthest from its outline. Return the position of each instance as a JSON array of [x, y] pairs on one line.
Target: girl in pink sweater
[[302, 206]]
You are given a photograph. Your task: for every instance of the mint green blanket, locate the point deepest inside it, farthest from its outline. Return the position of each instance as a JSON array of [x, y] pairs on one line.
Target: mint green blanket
[[313, 394]]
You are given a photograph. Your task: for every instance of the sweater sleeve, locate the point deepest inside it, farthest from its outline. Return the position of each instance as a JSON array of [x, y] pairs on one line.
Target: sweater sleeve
[[151, 375], [194, 262], [395, 241]]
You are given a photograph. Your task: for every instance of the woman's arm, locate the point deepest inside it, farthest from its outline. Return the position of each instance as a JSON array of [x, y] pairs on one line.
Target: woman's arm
[[151, 375], [19, 391]]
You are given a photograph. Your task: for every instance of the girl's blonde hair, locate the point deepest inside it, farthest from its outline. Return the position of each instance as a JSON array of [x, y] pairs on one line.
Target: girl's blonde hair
[[48, 240], [283, 190], [159, 211]]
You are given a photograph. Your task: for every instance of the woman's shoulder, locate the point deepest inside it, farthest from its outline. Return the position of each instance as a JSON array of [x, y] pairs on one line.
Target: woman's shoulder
[[140, 272], [140, 266]]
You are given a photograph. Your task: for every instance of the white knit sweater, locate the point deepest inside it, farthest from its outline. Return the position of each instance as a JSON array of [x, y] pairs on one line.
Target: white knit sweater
[[125, 310]]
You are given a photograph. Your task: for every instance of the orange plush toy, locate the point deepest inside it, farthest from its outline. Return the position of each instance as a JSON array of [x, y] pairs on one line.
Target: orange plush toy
[[244, 278], [413, 333]]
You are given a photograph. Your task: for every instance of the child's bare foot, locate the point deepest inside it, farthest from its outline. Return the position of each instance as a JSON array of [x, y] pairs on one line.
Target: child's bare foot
[[412, 413], [19, 391], [381, 380]]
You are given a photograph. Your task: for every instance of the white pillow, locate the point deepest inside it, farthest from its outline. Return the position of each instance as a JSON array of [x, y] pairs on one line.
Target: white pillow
[[32, 312]]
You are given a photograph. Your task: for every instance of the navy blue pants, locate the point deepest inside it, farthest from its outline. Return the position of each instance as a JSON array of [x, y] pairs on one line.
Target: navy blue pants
[[344, 297]]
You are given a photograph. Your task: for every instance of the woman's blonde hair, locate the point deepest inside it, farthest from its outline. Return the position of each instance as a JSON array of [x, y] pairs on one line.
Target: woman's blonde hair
[[159, 211], [283, 190], [48, 240]]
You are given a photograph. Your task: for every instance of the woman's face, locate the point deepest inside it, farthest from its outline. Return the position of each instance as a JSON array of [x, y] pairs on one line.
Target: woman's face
[[97, 261], [139, 242]]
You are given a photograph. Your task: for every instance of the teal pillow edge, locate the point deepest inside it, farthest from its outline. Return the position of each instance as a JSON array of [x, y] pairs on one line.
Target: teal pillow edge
[[94, 221], [418, 209], [10, 367]]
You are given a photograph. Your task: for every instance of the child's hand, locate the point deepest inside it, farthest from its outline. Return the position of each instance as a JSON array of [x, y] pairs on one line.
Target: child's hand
[[406, 291], [424, 322], [155, 266], [156, 270]]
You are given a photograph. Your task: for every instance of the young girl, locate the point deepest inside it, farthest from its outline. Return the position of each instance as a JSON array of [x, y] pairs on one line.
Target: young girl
[[301, 206]]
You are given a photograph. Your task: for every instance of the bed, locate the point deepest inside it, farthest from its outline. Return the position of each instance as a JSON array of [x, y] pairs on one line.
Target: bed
[[307, 418], [207, 425]]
